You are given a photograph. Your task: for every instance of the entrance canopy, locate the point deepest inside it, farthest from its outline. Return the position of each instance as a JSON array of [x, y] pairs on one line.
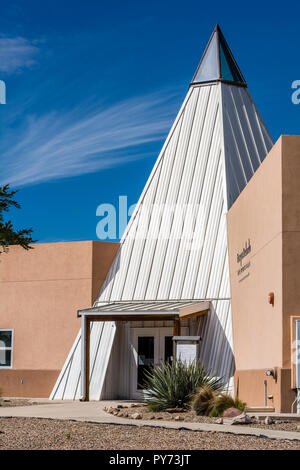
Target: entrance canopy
[[130, 311], [146, 310]]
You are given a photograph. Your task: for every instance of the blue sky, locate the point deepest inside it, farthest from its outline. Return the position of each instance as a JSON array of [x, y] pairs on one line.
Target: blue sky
[[93, 88]]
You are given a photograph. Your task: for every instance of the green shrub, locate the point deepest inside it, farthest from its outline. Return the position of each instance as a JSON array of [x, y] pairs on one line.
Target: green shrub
[[204, 399], [209, 402], [225, 401], [173, 385]]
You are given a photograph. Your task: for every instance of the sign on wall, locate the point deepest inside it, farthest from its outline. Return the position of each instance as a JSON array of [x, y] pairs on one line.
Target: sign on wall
[[244, 265]]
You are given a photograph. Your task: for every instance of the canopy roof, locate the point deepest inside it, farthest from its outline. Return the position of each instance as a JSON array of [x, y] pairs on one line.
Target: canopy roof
[[217, 63], [151, 310]]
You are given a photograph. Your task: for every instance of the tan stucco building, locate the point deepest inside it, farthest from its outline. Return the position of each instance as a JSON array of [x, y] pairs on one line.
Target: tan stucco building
[[264, 258], [40, 292]]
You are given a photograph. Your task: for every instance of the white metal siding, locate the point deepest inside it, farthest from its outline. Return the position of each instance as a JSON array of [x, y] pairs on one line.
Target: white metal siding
[[246, 138], [68, 382]]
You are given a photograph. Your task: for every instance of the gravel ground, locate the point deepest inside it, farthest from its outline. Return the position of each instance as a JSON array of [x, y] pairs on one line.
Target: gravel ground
[[37, 434], [191, 417], [279, 425], [16, 402]]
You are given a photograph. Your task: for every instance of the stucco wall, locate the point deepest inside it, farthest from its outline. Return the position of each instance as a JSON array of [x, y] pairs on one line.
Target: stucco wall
[[41, 291], [291, 237], [268, 213], [257, 216]]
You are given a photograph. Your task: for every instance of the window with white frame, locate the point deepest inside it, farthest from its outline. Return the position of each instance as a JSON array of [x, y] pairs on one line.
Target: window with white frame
[[6, 348]]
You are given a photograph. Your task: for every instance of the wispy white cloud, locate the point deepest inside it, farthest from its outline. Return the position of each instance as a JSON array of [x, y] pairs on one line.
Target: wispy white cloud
[[60, 145], [16, 54]]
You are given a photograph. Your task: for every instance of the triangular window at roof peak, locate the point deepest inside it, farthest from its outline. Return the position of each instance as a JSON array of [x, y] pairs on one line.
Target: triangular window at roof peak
[[217, 63], [208, 68]]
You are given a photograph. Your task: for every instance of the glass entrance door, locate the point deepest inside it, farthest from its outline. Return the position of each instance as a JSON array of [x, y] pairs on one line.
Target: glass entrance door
[[145, 358], [145, 353], [150, 347]]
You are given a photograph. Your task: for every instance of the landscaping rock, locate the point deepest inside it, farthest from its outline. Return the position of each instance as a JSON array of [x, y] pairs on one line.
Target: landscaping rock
[[231, 413], [268, 420], [134, 405], [219, 421], [255, 420], [136, 416], [241, 419], [175, 410], [113, 410], [178, 418]]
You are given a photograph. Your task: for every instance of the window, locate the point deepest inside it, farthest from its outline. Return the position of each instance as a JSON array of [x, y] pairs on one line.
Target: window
[[6, 348]]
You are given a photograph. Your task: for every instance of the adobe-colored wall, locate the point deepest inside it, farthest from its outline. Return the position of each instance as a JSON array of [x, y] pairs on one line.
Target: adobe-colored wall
[[268, 213], [256, 216], [41, 291], [103, 255], [249, 386], [291, 238]]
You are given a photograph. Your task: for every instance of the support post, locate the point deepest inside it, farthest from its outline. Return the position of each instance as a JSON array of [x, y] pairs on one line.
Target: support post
[[85, 358], [176, 328], [176, 332]]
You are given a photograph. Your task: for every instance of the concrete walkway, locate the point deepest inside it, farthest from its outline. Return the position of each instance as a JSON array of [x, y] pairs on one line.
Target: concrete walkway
[[94, 412]]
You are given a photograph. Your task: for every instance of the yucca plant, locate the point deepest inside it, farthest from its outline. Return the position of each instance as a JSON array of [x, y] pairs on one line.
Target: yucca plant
[[173, 385]]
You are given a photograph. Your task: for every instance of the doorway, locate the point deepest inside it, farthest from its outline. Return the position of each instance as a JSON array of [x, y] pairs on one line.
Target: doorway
[[150, 346]]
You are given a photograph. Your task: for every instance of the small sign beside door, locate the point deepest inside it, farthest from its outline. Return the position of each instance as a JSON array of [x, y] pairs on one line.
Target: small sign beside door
[[187, 348]]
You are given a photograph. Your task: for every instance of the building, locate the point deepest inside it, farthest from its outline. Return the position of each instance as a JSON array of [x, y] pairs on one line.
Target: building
[[264, 259], [211, 250], [171, 272], [40, 292]]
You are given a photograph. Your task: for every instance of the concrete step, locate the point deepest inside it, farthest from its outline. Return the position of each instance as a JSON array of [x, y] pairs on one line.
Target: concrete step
[[260, 409]]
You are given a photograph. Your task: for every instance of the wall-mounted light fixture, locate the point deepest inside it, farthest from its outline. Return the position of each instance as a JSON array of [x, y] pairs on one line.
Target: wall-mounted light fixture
[[272, 373], [271, 298]]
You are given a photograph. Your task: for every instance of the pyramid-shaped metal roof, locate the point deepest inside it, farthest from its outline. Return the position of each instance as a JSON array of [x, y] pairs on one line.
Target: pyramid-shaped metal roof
[[218, 63], [175, 245]]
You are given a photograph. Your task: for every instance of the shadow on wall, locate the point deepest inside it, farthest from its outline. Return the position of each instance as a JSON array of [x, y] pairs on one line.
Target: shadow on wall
[[216, 352], [110, 277]]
